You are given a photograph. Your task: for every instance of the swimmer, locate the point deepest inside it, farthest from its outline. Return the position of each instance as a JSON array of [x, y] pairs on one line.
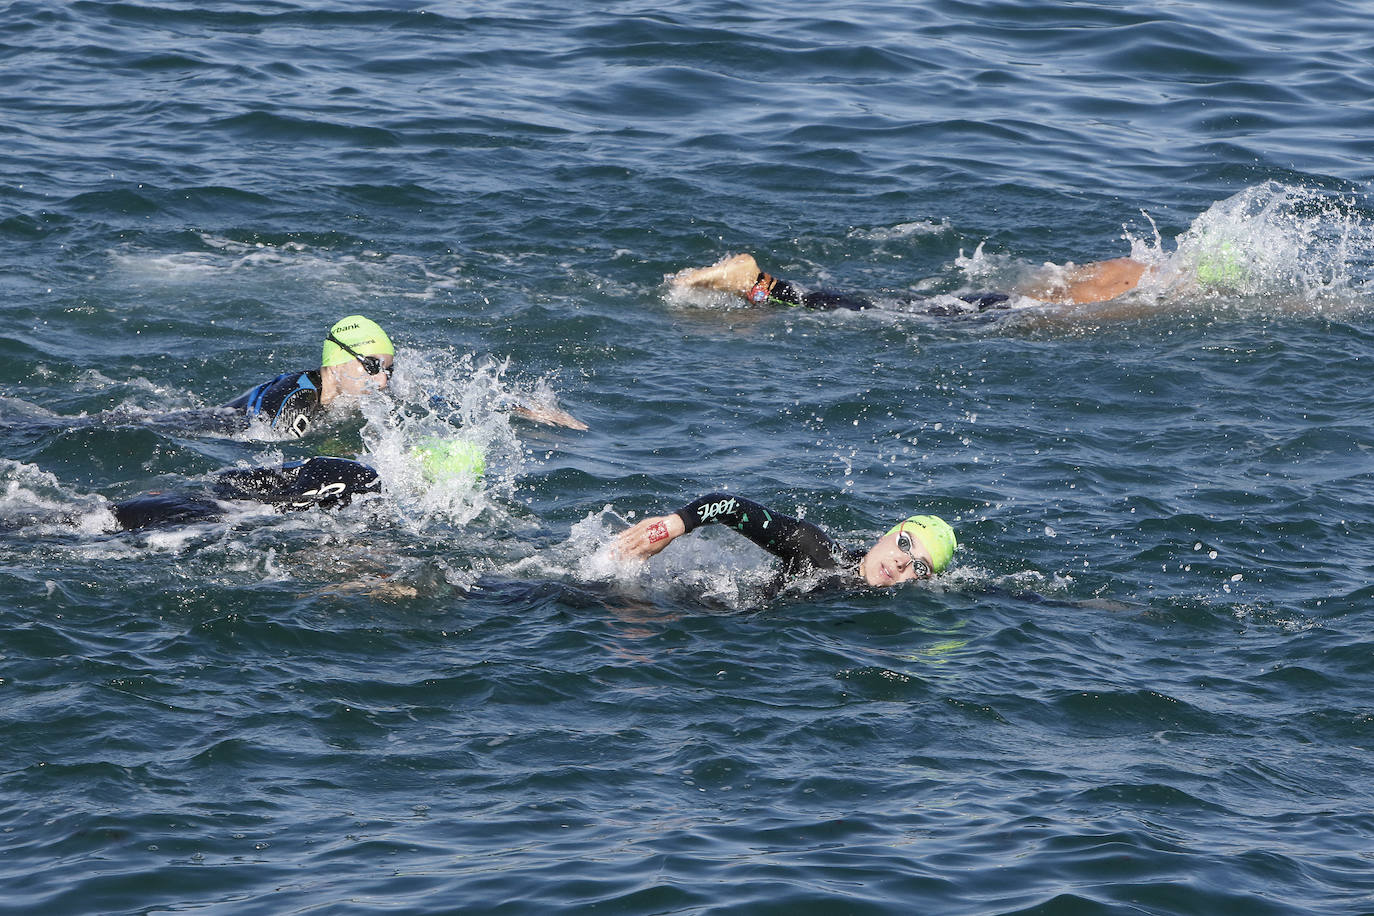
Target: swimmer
[[918, 548], [740, 274], [357, 358], [320, 482]]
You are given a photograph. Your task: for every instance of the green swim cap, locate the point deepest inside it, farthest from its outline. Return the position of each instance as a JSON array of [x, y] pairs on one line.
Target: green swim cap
[[1220, 263], [449, 459], [362, 334], [935, 534]]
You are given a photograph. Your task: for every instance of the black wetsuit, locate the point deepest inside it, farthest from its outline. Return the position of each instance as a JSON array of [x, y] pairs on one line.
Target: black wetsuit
[[803, 548], [288, 402], [768, 288], [323, 482]]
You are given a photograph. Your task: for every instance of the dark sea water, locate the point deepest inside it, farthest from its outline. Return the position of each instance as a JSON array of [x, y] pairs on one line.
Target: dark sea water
[[1145, 687]]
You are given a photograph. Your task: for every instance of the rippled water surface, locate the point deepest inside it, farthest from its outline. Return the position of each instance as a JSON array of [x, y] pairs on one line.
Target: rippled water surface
[[1143, 687]]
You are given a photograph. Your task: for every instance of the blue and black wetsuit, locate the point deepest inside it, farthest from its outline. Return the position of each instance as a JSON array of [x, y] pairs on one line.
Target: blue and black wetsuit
[[768, 288], [288, 402], [321, 481], [803, 547]]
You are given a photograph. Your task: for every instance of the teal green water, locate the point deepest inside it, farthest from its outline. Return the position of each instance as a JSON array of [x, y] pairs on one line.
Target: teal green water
[[1144, 687]]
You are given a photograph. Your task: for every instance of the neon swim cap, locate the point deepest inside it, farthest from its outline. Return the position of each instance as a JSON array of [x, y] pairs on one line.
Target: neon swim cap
[[1221, 263], [935, 535], [362, 334], [450, 459]]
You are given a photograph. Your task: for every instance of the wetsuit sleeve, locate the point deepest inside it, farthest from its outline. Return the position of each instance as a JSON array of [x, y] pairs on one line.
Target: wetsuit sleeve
[[775, 291], [290, 401], [160, 509], [800, 545], [324, 482], [297, 412]]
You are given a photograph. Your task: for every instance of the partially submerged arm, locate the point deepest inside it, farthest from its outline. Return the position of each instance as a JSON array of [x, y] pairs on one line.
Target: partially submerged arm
[[548, 416], [1076, 284], [740, 275], [799, 544]]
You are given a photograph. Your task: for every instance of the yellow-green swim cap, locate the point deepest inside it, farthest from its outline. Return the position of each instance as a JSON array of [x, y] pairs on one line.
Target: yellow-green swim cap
[[935, 534], [362, 334], [1221, 263], [450, 459]]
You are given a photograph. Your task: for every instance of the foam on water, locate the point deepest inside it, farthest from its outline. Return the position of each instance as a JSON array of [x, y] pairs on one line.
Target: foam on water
[[443, 395], [918, 228], [36, 501], [341, 269], [1289, 241]]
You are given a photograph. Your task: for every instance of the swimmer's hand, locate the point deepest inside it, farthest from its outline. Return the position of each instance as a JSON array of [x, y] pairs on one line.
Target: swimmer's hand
[[731, 274], [649, 536], [549, 416]]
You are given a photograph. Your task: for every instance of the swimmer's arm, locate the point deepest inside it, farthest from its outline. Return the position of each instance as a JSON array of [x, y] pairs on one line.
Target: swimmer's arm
[[548, 416], [732, 274], [1081, 284], [535, 413], [787, 538], [649, 536], [740, 274]]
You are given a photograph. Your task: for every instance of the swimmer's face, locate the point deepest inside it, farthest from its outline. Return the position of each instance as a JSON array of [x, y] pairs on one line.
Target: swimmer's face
[[897, 557], [353, 378]]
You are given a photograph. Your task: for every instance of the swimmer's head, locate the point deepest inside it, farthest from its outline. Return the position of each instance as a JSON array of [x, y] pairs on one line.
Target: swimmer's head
[[356, 337], [444, 460], [917, 548], [1221, 263], [357, 358], [935, 535]]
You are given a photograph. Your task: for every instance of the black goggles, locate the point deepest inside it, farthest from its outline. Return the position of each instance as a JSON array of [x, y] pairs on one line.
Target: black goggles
[[372, 365], [919, 567]]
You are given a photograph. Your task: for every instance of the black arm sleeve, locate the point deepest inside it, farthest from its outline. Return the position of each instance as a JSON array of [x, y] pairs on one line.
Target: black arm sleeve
[[768, 288], [157, 510], [321, 481], [289, 402], [800, 545]]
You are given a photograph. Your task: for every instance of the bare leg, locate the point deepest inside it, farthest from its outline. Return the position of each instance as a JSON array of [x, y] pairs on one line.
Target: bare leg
[[1096, 282], [733, 274]]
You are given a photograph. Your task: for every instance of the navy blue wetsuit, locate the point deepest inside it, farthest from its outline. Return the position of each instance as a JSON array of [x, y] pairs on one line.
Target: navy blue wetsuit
[[803, 547], [321, 481], [288, 402], [768, 288]]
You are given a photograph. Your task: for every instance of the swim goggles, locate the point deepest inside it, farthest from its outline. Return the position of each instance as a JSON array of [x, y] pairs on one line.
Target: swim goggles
[[918, 566], [372, 365]]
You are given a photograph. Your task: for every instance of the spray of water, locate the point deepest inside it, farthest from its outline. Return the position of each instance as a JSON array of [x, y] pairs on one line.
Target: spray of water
[[1273, 246], [1277, 240], [444, 396]]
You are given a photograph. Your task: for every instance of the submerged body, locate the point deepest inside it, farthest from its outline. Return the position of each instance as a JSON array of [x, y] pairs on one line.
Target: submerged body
[[321, 482], [740, 274]]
